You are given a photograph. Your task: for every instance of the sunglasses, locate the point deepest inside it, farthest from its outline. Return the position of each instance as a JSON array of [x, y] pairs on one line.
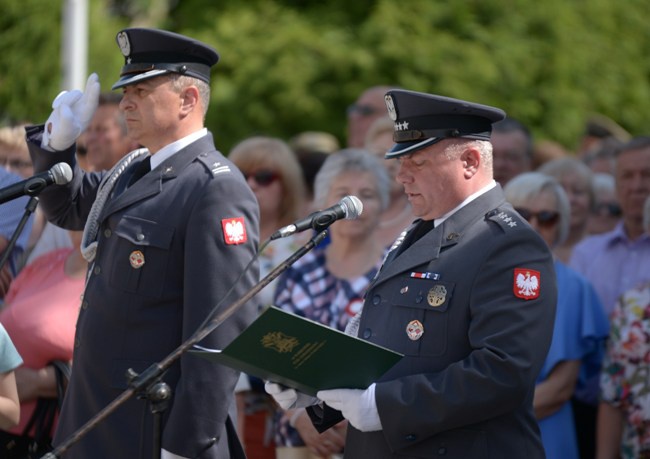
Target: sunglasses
[[610, 209], [262, 177], [545, 218]]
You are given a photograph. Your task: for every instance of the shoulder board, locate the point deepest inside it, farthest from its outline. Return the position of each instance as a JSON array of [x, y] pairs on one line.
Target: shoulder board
[[215, 163], [505, 218]]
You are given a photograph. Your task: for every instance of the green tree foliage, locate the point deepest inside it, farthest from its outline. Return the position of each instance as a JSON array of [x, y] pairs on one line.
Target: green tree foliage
[[293, 65]]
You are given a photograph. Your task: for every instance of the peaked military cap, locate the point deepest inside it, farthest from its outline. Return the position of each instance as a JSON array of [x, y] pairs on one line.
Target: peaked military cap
[[423, 119], [151, 52]]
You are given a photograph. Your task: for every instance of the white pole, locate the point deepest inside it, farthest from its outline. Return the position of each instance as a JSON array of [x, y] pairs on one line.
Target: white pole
[[74, 49]]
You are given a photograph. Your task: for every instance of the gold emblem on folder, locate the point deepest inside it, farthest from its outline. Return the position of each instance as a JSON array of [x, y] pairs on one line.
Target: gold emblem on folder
[[279, 342]]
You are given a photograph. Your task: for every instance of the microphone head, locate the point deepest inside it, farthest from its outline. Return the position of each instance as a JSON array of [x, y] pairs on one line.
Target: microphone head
[[62, 173], [352, 206]]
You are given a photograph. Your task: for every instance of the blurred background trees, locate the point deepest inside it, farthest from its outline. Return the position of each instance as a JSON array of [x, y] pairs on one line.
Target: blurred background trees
[[293, 65]]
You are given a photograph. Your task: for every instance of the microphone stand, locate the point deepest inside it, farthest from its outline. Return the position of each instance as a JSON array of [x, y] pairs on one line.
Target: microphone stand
[[29, 210], [148, 380]]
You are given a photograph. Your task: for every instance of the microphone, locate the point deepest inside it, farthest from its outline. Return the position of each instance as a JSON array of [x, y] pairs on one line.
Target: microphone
[[59, 174], [349, 208]]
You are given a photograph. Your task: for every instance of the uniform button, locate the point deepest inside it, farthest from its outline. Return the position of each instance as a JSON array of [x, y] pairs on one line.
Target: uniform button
[[140, 237], [84, 304], [411, 437], [107, 232], [376, 299], [97, 270], [77, 343], [367, 333], [442, 451]]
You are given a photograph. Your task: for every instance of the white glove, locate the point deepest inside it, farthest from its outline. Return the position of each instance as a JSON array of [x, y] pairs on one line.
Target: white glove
[[164, 454], [72, 111], [357, 406], [288, 398]]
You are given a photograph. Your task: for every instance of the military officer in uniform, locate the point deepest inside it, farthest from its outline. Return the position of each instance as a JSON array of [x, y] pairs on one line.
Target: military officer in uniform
[[467, 294], [168, 231]]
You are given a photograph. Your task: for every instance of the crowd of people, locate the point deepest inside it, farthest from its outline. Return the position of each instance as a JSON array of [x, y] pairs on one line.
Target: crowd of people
[[512, 274]]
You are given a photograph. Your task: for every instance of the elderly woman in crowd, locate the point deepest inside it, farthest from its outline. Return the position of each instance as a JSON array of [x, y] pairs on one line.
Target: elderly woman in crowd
[[580, 322], [273, 172], [576, 179], [327, 285]]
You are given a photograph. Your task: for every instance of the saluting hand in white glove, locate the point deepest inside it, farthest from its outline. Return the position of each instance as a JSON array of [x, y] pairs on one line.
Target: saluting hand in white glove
[[72, 111], [288, 398]]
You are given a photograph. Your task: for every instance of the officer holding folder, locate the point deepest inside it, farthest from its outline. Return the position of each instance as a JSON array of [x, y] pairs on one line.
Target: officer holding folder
[[467, 294]]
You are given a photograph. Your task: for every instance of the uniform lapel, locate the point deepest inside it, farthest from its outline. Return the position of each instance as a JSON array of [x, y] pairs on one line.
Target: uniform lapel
[[151, 184], [424, 250], [449, 233]]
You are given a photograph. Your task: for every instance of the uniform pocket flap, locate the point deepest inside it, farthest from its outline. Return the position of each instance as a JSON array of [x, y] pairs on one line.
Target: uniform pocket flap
[[144, 232]]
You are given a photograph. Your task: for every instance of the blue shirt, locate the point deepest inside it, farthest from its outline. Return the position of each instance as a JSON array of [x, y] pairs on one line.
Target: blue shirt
[[613, 263]]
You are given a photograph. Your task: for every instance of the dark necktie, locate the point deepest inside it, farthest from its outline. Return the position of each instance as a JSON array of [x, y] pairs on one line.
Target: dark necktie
[[419, 230], [141, 169]]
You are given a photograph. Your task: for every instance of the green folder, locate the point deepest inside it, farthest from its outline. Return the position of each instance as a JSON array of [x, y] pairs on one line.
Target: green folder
[[300, 353]]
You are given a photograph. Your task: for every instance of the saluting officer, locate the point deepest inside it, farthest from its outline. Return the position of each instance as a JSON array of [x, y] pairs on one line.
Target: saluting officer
[[167, 233], [467, 294]]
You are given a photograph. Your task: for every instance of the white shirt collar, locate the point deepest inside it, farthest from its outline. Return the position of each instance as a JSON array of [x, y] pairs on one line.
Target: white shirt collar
[[468, 199], [170, 150]]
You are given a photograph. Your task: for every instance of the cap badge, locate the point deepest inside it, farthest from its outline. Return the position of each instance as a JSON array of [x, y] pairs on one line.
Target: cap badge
[[415, 330], [437, 295], [124, 43], [527, 283], [136, 259], [390, 106]]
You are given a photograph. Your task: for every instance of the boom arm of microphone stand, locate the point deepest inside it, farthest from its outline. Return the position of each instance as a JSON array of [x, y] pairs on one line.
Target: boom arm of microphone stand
[[151, 374]]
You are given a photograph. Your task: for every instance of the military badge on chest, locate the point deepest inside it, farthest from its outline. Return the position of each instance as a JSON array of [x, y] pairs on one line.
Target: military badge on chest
[[437, 295], [415, 330], [136, 259]]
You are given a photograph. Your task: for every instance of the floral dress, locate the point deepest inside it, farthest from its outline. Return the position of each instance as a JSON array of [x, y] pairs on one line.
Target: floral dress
[[625, 379]]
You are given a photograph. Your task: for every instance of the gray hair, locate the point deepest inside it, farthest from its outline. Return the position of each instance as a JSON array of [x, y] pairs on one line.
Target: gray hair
[[527, 186], [484, 147], [351, 160], [180, 82], [557, 168]]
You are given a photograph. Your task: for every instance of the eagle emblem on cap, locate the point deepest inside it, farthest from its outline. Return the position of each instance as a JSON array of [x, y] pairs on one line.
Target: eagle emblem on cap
[[390, 106], [124, 43]]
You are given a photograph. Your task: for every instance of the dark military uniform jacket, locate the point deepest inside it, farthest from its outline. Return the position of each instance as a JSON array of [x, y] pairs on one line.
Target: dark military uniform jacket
[[166, 257], [462, 305]]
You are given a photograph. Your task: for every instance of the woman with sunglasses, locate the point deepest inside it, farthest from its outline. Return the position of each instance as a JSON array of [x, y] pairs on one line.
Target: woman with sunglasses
[[273, 173], [576, 179], [581, 327]]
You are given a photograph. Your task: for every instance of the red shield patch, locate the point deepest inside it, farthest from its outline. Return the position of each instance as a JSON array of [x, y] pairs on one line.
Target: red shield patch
[[234, 230], [526, 283]]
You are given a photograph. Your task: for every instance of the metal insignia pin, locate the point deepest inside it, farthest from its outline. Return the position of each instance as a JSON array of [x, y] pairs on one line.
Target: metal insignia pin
[[415, 330], [437, 295], [403, 290], [136, 259], [124, 43], [390, 106]]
